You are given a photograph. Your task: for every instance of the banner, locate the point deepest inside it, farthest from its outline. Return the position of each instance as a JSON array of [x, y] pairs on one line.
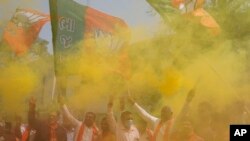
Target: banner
[[73, 22], [23, 29]]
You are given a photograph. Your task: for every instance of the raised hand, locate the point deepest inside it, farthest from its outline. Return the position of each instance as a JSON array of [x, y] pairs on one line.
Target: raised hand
[[130, 98], [190, 95], [61, 100], [32, 102], [111, 102]]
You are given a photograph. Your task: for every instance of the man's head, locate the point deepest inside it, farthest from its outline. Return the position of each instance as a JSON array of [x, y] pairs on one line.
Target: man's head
[[89, 119], [104, 124], [205, 110], [166, 113], [53, 118], [127, 119], [141, 125], [8, 126]]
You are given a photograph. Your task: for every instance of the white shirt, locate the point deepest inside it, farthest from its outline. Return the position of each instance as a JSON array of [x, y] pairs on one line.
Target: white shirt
[[121, 133], [152, 121], [88, 132]]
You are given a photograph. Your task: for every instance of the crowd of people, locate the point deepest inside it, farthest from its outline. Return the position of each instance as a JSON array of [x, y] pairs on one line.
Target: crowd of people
[[63, 126]]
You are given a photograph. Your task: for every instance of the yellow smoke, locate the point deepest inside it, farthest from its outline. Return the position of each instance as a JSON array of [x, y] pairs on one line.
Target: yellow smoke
[[16, 83], [170, 67], [158, 71]]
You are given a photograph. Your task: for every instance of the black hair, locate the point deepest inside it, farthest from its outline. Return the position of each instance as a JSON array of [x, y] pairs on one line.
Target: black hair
[[124, 114], [94, 115]]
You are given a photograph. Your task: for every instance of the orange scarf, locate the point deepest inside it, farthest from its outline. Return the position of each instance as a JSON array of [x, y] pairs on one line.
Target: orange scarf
[[53, 132], [156, 132], [149, 134], [26, 134], [81, 131]]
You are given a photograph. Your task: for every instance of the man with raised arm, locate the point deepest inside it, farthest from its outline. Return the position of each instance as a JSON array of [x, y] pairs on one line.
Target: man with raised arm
[[42, 130], [106, 134], [183, 129], [85, 130], [124, 129], [161, 126]]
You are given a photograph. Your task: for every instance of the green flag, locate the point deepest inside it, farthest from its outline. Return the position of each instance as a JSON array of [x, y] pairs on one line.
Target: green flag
[[73, 22]]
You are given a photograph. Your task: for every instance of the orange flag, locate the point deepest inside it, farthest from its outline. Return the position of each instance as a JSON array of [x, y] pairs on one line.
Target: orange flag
[[23, 29], [95, 19], [97, 22], [195, 9], [207, 20], [99, 25]]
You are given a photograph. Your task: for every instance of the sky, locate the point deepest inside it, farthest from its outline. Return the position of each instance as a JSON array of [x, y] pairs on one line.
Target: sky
[[138, 14]]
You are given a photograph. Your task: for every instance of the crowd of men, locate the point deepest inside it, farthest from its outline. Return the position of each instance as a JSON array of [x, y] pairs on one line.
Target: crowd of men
[[167, 127]]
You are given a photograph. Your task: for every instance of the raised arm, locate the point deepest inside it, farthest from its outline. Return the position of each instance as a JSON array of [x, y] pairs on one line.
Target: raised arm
[[185, 110], [110, 116], [69, 116], [66, 112], [32, 112], [143, 113]]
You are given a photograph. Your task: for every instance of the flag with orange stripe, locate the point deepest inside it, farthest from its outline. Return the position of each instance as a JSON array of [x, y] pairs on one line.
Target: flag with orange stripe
[[23, 29], [73, 22]]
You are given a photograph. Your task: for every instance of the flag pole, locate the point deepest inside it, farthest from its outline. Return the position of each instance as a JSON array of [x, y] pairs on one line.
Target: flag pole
[[53, 17]]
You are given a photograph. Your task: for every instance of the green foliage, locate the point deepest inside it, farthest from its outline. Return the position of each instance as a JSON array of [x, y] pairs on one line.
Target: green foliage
[[233, 17], [164, 8]]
